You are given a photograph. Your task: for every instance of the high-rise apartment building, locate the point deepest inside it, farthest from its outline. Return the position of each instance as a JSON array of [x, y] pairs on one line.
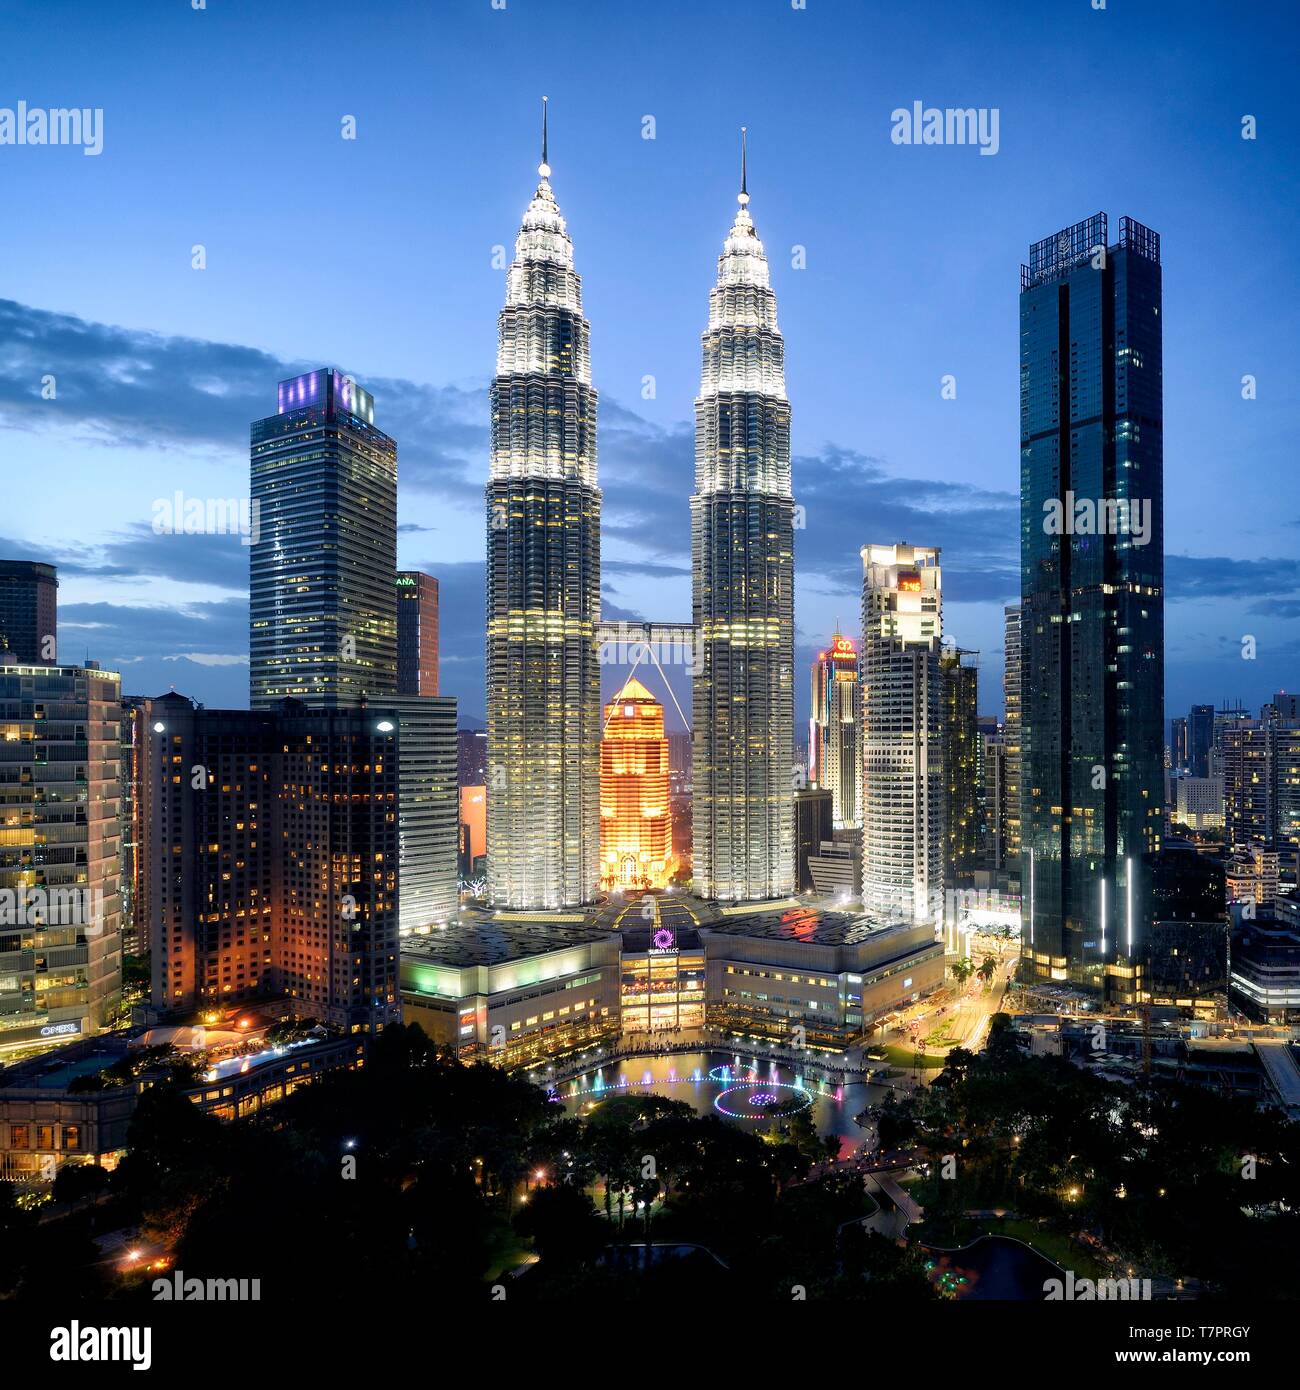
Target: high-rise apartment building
[[323, 610], [903, 771], [1092, 599], [417, 633], [833, 757], [742, 558], [962, 759], [543, 581], [271, 841], [29, 617], [636, 839], [60, 763]]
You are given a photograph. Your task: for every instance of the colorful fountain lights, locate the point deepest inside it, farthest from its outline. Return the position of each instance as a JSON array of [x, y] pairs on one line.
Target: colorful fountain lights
[[760, 1094]]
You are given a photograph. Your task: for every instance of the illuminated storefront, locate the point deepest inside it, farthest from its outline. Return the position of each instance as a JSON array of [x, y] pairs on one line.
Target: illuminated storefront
[[662, 978]]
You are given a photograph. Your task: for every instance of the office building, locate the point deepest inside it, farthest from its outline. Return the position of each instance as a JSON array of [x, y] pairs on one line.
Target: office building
[[1198, 802], [903, 773], [1178, 745], [60, 768], [29, 618], [959, 698], [323, 611], [814, 824], [1011, 686], [543, 581], [1092, 598], [636, 842], [417, 633], [1200, 739], [833, 757], [428, 810], [742, 558]]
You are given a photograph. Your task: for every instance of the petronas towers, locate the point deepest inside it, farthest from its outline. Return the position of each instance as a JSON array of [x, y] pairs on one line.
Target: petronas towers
[[543, 584], [543, 581], [742, 560]]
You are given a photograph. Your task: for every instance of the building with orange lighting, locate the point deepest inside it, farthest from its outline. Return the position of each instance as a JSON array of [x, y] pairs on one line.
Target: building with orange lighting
[[636, 843], [833, 729]]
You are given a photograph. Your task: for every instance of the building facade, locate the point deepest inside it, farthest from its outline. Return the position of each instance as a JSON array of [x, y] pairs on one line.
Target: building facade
[[833, 757], [428, 817], [323, 613], [60, 861], [271, 847], [417, 633], [1092, 598], [543, 581], [636, 833], [29, 614], [962, 763], [1011, 732], [742, 558], [903, 774]]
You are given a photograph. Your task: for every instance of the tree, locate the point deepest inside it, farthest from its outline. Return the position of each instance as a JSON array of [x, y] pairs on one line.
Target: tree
[[562, 1224]]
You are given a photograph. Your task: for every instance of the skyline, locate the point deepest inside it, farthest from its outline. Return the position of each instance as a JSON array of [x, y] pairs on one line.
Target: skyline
[[878, 455]]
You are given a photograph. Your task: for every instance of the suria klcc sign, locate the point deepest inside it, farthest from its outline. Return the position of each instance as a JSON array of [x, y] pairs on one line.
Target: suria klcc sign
[[664, 939]]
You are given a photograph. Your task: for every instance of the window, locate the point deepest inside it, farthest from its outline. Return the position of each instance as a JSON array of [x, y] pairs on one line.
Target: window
[[19, 1137]]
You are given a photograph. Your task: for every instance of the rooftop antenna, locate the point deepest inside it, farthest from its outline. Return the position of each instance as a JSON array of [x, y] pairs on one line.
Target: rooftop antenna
[[743, 196], [544, 168]]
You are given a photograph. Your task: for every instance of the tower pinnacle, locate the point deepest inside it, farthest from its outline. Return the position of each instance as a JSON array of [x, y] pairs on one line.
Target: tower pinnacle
[[743, 196], [544, 168]]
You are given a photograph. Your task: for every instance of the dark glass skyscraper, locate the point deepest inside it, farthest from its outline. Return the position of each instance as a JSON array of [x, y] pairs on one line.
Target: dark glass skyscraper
[[29, 611], [1200, 739], [324, 554], [1092, 591], [742, 555], [543, 581]]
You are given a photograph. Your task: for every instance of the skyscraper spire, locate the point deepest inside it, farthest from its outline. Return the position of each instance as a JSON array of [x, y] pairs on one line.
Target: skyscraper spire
[[742, 522], [543, 579]]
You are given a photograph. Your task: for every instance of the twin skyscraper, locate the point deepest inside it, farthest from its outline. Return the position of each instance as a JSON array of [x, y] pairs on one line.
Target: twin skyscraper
[[543, 583]]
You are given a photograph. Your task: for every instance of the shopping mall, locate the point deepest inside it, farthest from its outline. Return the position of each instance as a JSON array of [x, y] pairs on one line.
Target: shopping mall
[[519, 989]]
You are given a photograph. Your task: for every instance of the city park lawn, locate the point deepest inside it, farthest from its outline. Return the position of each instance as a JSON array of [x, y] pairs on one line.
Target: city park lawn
[[905, 1058]]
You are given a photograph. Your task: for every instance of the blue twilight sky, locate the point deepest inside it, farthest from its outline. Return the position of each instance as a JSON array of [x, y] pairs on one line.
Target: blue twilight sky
[[222, 128]]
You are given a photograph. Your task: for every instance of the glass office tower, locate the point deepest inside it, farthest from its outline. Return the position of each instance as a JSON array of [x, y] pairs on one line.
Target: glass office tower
[[742, 556], [1092, 610], [323, 608], [543, 581]]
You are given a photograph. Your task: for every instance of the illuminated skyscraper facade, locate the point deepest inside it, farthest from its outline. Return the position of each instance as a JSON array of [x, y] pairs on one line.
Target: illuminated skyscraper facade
[[1011, 681], [833, 729], [742, 553], [959, 697], [543, 581], [323, 615], [1092, 602], [903, 780], [636, 832]]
